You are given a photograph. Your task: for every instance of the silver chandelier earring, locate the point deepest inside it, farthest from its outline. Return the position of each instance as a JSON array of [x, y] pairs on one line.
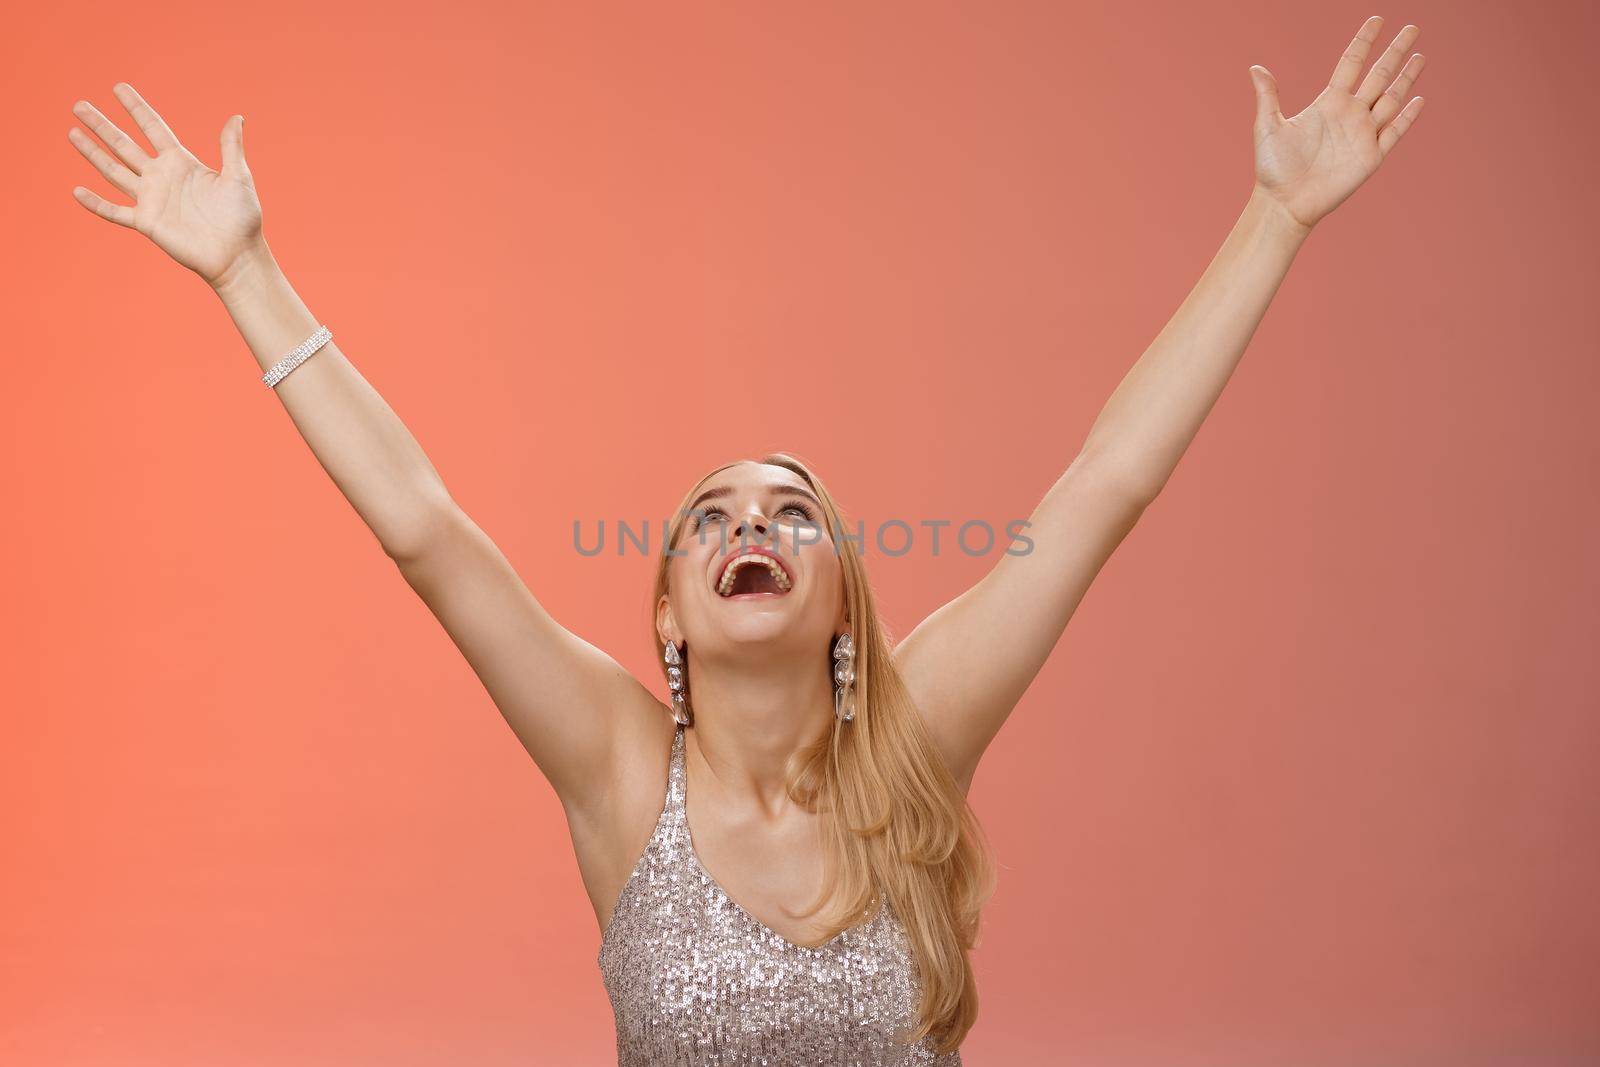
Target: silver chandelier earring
[[844, 677], [676, 683]]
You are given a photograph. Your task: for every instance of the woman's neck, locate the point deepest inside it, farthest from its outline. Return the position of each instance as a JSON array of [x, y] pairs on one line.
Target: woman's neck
[[751, 715]]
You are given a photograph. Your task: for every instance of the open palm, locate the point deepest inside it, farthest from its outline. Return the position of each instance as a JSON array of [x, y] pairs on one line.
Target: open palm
[[1312, 162], [204, 219]]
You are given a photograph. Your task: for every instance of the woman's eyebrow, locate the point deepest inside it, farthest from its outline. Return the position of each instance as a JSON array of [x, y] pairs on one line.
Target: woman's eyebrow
[[722, 491]]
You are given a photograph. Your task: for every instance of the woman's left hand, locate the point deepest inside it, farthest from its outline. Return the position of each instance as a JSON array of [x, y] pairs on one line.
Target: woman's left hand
[[1312, 162]]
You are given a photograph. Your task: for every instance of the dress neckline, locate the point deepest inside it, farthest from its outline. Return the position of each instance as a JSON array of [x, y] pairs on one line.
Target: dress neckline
[[681, 769]]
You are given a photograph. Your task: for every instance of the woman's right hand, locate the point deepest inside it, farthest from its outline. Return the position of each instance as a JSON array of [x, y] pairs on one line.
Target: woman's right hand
[[205, 219]]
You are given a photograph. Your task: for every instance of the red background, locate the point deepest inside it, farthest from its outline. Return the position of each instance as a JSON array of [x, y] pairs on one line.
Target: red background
[[1310, 778]]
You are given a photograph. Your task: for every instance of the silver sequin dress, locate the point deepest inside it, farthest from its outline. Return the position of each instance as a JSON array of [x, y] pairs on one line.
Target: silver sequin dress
[[697, 981]]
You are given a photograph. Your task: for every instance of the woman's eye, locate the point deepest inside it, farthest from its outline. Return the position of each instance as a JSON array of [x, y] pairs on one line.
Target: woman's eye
[[706, 516]]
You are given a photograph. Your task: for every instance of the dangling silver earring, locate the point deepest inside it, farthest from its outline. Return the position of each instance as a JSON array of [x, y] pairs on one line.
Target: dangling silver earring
[[675, 682], [844, 678]]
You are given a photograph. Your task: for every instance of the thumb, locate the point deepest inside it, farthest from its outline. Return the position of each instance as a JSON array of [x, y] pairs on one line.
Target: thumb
[[1267, 113], [233, 164]]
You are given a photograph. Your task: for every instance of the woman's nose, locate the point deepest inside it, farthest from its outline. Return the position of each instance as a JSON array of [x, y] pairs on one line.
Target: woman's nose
[[752, 525]]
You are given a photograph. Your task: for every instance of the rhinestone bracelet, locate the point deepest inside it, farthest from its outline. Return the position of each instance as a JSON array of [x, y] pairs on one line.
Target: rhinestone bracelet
[[288, 363]]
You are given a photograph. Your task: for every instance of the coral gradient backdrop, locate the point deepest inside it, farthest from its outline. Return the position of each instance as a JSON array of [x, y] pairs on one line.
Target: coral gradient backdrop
[[1310, 779]]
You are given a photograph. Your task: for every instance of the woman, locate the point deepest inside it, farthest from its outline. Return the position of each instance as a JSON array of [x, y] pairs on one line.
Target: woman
[[823, 769]]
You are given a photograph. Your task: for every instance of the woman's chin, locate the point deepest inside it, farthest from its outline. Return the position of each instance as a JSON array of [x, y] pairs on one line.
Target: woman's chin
[[757, 621]]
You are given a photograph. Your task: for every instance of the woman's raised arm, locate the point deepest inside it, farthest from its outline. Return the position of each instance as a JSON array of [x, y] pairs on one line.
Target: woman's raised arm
[[970, 661], [567, 701]]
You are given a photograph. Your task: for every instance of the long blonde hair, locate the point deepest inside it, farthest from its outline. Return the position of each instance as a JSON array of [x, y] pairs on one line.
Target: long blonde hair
[[896, 825]]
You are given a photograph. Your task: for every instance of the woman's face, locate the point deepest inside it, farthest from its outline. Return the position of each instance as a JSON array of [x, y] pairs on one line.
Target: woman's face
[[757, 567]]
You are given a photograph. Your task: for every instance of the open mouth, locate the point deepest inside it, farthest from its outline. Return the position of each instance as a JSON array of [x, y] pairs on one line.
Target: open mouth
[[754, 572]]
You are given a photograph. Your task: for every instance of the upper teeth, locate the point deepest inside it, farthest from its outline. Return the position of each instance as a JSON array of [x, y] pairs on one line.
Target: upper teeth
[[725, 586]]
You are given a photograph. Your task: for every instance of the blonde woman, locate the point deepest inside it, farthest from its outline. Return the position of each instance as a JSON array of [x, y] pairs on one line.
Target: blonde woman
[[781, 858]]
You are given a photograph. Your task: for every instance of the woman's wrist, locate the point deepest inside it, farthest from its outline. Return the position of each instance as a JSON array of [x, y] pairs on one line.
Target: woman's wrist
[[263, 305], [1276, 217], [252, 269]]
